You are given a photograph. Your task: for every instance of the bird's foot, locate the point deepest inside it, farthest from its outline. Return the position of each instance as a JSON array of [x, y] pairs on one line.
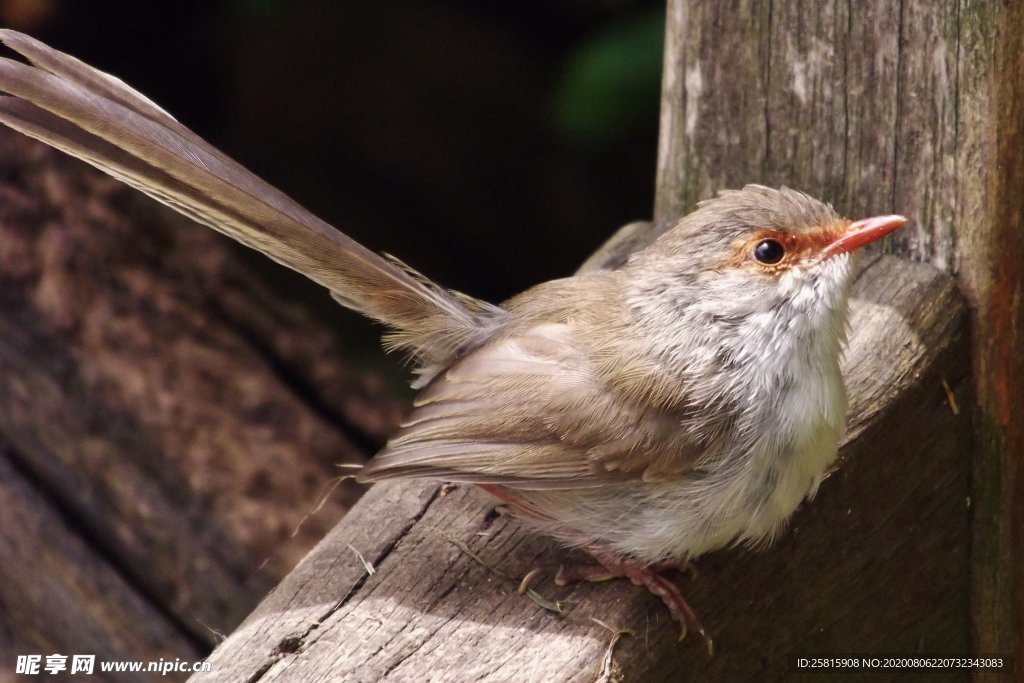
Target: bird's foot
[[612, 566]]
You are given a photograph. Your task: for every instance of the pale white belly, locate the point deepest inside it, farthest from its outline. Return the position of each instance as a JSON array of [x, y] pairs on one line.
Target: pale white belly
[[749, 499]]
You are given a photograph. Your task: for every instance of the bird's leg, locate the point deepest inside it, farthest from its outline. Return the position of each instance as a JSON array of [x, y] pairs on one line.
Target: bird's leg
[[687, 567], [611, 566]]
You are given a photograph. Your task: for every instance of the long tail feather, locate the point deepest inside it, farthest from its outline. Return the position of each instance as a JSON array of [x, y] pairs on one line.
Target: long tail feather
[[97, 118]]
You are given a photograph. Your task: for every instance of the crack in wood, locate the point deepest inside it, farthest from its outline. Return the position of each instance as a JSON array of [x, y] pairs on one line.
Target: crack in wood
[[292, 644]]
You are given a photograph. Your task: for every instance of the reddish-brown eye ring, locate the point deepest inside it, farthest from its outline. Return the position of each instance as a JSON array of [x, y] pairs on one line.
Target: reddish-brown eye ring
[[769, 252]]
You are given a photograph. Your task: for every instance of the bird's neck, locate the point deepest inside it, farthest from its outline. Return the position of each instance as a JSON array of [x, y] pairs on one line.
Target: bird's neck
[[706, 349]]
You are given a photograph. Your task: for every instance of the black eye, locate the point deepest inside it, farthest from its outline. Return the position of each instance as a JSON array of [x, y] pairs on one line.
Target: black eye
[[769, 252]]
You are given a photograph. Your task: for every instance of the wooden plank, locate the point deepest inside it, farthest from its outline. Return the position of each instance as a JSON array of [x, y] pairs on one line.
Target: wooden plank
[[59, 597], [989, 258]]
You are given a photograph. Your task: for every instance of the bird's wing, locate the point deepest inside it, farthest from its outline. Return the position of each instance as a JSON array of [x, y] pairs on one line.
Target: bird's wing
[[93, 116], [529, 411]]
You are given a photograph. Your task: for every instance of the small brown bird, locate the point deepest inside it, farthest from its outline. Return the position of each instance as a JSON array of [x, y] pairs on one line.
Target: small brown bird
[[686, 401]]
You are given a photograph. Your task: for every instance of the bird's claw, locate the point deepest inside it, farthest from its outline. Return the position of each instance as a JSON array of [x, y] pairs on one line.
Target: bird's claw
[[612, 566]]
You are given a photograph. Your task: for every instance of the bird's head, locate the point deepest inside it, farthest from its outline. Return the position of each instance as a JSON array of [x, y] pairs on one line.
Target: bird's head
[[772, 267]]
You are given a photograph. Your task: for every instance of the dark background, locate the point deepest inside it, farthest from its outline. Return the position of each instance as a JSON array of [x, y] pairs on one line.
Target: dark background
[[490, 145]]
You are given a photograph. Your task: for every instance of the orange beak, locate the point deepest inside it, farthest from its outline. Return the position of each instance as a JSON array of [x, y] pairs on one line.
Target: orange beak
[[862, 232]]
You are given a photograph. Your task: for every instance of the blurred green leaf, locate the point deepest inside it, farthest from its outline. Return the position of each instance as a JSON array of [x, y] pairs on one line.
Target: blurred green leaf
[[612, 82]]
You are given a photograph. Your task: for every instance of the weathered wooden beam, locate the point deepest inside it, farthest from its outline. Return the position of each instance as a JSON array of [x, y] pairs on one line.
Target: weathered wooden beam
[[89, 607]]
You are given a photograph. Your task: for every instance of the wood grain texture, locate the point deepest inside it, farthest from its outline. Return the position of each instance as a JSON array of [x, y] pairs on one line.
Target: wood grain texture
[[990, 256], [90, 608], [846, 578], [161, 398]]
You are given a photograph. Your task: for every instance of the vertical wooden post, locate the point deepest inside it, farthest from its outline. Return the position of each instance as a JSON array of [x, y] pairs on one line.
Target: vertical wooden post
[[990, 262]]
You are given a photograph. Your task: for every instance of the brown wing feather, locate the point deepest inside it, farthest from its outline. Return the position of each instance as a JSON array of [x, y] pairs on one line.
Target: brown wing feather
[[530, 411]]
